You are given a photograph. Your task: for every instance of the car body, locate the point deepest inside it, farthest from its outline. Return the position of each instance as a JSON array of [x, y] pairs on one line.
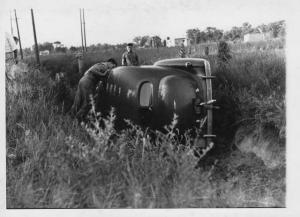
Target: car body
[[151, 95]]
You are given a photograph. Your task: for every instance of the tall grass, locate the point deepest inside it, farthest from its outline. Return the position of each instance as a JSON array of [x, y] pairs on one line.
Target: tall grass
[[252, 88], [241, 47], [54, 162]]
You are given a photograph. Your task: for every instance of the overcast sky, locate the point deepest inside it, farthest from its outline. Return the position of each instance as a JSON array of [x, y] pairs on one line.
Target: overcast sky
[[118, 21]]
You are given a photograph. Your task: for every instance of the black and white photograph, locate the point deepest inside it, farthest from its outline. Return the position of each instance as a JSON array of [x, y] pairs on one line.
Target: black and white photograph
[[170, 105]]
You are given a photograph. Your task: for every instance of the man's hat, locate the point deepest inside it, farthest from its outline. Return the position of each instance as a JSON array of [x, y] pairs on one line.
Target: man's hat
[[129, 44]]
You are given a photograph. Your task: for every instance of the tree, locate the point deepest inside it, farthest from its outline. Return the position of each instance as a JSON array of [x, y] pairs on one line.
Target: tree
[[156, 40], [144, 40], [281, 32], [193, 35], [164, 43], [61, 49], [27, 51], [46, 46], [210, 33], [137, 40], [246, 28], [227, 36], [236, 33], [261, 28], [277, 27], [202, 37], [217, 35], [223, 52], [73, 49]]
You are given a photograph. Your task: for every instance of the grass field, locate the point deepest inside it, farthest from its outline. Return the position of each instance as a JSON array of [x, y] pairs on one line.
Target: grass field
[[53, 162]]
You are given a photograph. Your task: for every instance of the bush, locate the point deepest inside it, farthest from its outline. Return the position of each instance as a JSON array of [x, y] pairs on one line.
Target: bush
[[223, 52]]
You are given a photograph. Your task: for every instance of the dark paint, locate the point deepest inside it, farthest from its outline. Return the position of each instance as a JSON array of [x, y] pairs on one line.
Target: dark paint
[[176, 86]]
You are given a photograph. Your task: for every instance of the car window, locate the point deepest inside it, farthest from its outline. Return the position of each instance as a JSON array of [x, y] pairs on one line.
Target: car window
[[146, 93]]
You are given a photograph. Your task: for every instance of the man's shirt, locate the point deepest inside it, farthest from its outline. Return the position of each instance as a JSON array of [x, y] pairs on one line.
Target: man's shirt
[[98, 70], [130, 59]]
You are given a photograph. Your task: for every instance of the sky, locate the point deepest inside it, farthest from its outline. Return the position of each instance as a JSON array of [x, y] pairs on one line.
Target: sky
[[119, 21]]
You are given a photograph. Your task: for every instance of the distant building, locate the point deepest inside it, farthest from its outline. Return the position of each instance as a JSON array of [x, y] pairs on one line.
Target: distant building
[[178, 41], [57, 44], [169, 42], [44, 52], [252, 37]]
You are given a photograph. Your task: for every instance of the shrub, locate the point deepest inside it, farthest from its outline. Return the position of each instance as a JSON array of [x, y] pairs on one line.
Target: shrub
[[223, 52]]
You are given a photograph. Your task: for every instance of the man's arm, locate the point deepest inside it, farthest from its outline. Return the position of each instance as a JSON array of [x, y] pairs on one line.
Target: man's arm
[[98, 69], [124, 63]]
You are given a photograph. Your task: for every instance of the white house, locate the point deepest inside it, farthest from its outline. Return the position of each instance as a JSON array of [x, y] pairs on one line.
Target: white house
[[44, 52], [57, 44], [179, 41], [252, 37]]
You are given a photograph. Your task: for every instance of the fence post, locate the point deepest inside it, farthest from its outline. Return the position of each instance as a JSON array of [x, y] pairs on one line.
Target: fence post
[[206, 50], [80, 61], [35, 40], [21, 51]]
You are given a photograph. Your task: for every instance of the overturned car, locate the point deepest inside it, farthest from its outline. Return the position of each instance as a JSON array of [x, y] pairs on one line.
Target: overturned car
[[151, 95]]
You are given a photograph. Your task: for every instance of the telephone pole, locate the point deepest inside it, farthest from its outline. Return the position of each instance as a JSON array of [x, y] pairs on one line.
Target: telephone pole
[[35, 41], [84, 30], [81, 30], [21, 51], [11, 26]]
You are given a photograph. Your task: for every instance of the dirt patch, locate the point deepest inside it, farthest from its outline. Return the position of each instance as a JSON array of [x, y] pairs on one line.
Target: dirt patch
[[264, 143], [16, 70]]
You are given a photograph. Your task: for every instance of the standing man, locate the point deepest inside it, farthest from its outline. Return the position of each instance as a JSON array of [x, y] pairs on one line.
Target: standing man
[[87, 87], [130, 58]]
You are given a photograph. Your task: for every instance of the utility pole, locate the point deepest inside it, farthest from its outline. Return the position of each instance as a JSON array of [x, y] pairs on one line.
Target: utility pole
[[11, 26], [80, 56], [35, 41], [21, 51], [81, 31], [84, 31]]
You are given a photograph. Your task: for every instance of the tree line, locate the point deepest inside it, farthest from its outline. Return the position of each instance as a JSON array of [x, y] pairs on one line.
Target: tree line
[[212, 34], [150, 41], [196, 36]]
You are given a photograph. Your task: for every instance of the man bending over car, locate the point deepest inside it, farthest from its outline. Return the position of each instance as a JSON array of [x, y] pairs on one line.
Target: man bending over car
[[87, 87]]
